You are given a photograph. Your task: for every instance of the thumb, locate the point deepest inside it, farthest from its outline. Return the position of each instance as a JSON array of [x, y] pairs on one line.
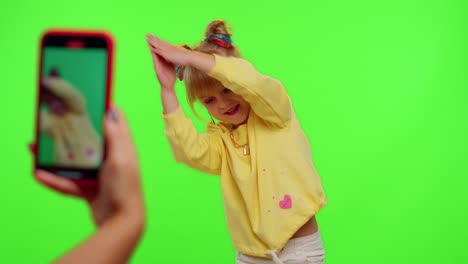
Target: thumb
[[116, 132]]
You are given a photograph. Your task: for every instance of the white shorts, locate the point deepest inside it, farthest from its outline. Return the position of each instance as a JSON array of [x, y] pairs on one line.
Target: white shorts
[[301, 250]]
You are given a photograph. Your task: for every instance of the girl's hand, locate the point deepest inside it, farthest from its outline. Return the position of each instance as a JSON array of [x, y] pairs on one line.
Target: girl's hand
[[165, 72], [179, 55], [176, 55]]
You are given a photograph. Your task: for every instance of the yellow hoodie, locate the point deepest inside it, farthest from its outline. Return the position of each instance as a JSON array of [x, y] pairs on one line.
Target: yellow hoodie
[[77, 144], [269, 194]]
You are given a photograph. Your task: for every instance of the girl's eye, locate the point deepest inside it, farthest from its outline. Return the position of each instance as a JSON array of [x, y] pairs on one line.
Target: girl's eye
[[209, 100]]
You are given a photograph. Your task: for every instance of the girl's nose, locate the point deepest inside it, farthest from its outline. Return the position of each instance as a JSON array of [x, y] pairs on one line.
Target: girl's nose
[[223, 103]]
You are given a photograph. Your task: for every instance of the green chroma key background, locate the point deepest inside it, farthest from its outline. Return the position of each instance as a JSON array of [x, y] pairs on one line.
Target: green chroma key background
[[380, 88]]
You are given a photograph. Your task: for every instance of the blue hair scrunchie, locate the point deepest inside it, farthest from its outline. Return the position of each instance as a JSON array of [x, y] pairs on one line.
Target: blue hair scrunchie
[[221, 36]]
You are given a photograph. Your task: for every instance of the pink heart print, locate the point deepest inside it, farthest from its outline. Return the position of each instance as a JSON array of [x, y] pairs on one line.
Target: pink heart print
[[89, 152], [286, 203]]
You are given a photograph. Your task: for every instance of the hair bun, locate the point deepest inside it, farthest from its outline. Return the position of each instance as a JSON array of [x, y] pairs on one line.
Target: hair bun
[[217, 27]]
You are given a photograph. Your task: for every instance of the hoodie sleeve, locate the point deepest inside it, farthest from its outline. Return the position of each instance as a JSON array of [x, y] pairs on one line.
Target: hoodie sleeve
[[266, 95], [46, 122], [71, 96], [199, 151]]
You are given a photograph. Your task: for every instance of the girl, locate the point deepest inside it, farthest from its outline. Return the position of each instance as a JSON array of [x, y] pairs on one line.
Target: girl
[[271, 190], [66, 121]]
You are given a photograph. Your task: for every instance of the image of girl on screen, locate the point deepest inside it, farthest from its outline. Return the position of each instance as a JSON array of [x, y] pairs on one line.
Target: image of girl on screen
[[65, 120]]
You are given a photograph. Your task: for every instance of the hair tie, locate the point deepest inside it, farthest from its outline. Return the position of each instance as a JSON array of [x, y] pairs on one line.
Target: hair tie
[[224, 37], [180, 69], [179, 72], [221, 43], [220, 40]]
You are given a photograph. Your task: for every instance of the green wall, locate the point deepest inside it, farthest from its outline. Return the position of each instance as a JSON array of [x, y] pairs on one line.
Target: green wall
[[380, 88]]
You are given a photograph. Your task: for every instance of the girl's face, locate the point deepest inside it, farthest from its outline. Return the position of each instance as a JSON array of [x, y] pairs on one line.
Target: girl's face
[[55, 104], [225, 105]]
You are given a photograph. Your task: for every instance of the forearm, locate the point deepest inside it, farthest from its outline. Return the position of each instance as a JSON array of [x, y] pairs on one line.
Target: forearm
[[73, 98], [169, 100], [202, 61], [45, 122], [199, 151], [113, 242]]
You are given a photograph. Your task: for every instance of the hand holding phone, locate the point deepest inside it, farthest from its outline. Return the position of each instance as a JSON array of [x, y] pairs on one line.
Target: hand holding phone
[[75, 74], [116, 203]]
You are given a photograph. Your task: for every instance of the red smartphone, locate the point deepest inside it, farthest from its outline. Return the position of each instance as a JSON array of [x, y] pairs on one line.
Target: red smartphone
[[74, 94]]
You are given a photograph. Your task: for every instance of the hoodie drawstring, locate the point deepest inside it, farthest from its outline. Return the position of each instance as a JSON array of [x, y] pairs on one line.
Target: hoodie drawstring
[[274, 256]]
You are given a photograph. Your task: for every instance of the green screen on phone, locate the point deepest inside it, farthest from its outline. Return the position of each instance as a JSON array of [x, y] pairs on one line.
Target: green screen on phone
[[73, 91]]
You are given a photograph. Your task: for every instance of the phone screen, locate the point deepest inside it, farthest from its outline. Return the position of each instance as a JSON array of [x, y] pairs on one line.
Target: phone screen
[[73, 96]]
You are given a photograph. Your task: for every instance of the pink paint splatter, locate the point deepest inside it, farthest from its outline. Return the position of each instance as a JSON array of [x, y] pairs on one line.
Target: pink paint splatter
[[286, 203], [70, 156], [89, 152]]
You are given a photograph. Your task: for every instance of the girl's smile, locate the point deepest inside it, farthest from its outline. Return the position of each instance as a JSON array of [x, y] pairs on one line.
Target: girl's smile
[[233, 111], [225, 105]]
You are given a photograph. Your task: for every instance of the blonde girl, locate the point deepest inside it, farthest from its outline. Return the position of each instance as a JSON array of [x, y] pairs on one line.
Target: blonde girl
[[270, 187]]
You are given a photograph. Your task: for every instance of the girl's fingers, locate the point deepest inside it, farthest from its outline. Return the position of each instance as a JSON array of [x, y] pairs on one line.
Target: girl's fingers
[[149, 36], [152, 40], [155, 50], [151, 45], [157, 62], [164, 63]]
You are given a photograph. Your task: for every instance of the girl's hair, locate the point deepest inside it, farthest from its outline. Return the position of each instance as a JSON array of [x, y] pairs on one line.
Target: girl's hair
[[216, 41]]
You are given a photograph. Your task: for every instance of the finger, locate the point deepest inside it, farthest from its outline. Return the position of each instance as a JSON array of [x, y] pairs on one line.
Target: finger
[[157, 63], [61, 185], [117, 132], [148, 37], [152, 40], [155, 51], [163, 62], [151, 45]]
